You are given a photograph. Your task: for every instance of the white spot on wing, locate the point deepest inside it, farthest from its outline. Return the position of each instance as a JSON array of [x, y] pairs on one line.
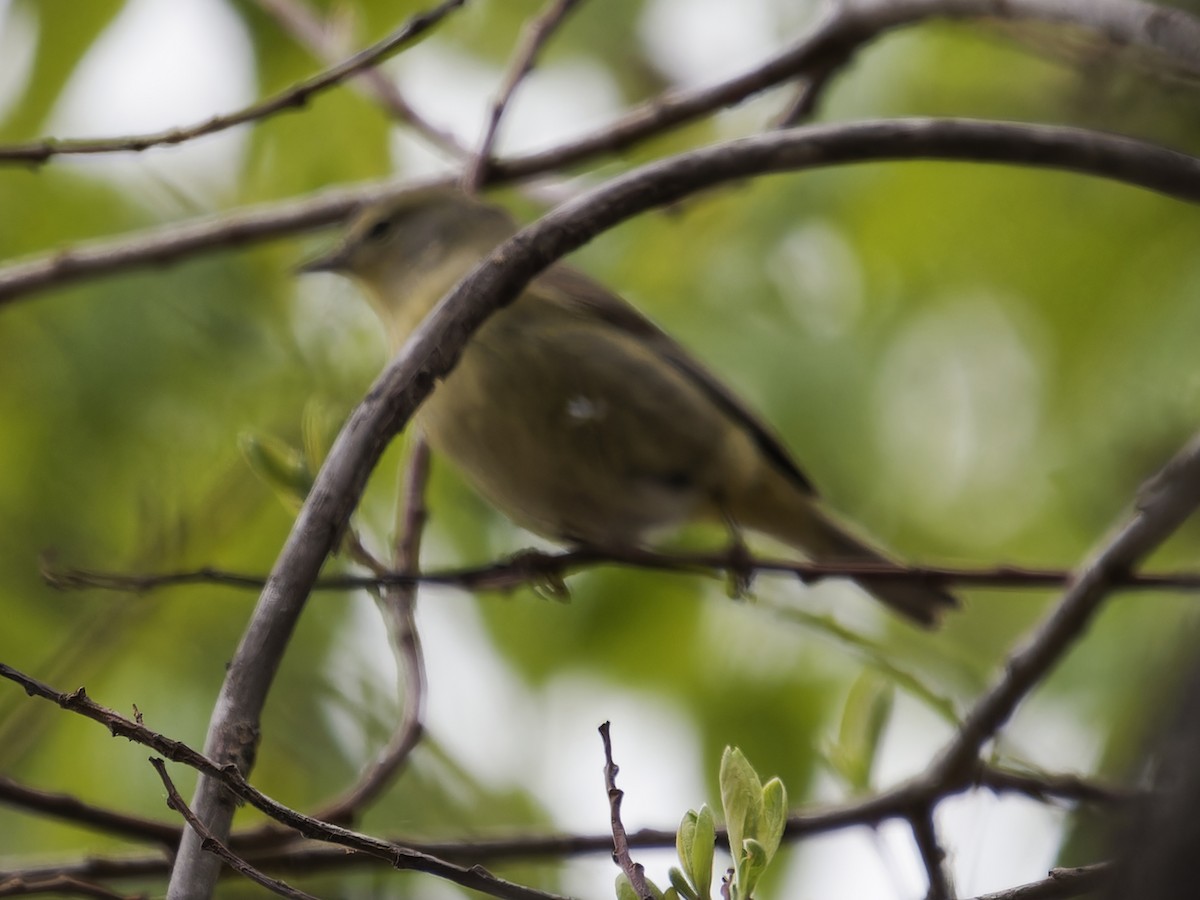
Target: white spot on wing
[[585, 409]]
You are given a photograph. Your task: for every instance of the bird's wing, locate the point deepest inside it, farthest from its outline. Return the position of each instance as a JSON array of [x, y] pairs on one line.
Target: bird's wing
[[575, 292]]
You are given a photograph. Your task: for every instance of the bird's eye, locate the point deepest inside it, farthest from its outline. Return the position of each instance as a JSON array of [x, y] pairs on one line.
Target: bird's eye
[[379, 230]]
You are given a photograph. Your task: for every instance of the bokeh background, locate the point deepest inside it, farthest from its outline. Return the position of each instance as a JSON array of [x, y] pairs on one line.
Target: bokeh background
[[977, 364]]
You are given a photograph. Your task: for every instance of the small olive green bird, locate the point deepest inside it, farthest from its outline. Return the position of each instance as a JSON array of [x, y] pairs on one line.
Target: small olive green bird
[[575, 415]]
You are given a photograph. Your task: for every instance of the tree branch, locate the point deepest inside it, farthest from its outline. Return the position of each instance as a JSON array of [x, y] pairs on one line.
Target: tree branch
[[434, 349], [932, 855], [536, 33], [293, 97], [309, 31], [159, 246], [71, 809], [232, 781], [59, 886], [215, 847], [850, 25], [1117, 158], [1163, 504], [533, 566], [1059, 885], [620, 840], [399, 606]]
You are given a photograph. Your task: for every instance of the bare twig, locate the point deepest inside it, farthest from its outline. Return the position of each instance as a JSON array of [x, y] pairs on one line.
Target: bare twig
[[1079, 150], [808, 95], [399, 605], [59, 886], [524, 568], [71, 809], [215, 847], [932, 855], [323, 858], [1058, 885], [534, 37], [620, 840], [1163, 505], [436, 346], [307, 29], [1171, 33], [293, 97], [160, 246], [232, 781], [1045, 787]]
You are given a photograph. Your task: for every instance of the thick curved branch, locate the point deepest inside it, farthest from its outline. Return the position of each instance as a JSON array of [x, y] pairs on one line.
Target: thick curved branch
[[850, 25], [293, 98], [1122, 159], [1163, 505], [1172, 33], [436, 345]]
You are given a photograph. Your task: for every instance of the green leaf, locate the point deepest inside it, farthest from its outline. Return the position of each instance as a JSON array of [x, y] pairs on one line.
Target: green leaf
[[625, 890], [741, 798], [695, 842], [866, 714], [755, 861], [319, 426], [679, 884], [774, 816], [65, 32], [280, 465], [703, 844]]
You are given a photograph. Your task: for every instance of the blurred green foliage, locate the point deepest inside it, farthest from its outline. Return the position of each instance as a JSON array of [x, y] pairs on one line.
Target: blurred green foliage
[[979, 365]]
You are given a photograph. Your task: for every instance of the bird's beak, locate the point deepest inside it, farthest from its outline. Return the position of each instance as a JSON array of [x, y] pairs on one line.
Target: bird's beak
[[335, 260]]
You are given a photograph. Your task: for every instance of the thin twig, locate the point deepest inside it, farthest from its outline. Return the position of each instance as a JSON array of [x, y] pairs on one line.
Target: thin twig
[[620, 840], [399, 605], [1044, 787], [59, 885], [932, 855], [1172, 33], [308, 30], [230, 779], [1060, 884], [533, 38], [1164, 503], [533, 566], [1069, 149], [293, 97], [159, 246], [810, 92], [71, 809], [891, 804], [215, 847]]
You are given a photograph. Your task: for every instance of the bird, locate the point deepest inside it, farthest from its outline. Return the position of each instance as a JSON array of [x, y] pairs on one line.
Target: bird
[[578, 417]]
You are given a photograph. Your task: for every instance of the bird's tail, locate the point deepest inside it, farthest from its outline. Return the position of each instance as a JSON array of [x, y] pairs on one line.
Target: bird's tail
[[798, 522], [828, 542]]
